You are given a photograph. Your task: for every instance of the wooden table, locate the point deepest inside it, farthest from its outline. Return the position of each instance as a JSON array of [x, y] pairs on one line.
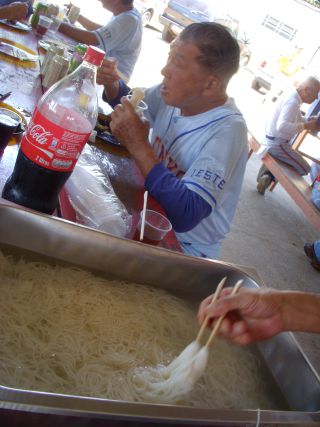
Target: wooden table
[[295, 185], [25, 83]]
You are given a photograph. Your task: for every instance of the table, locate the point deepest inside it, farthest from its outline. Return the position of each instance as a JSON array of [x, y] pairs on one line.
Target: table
[[25, 84], [295, 185], [308, 145]]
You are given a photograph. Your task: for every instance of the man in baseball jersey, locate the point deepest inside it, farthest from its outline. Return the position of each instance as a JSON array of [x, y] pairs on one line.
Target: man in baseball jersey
[[195, 163], [120, 38]]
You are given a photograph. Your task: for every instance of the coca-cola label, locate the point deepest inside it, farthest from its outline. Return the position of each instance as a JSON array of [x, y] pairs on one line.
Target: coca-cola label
[[52, 146]]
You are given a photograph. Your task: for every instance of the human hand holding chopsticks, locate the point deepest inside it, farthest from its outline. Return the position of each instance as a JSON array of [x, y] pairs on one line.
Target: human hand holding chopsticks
[[250, 315]]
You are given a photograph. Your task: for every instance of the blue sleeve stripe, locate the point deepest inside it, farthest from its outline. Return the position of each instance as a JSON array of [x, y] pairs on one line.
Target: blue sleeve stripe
[[201, 127], [201, 188]]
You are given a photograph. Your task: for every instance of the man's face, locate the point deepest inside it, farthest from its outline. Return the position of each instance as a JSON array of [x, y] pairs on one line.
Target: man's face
[[311, 93], [107, 4], [184, 79]]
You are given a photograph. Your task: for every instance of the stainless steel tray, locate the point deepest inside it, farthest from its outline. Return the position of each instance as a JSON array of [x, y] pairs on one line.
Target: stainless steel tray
[[46, 238]]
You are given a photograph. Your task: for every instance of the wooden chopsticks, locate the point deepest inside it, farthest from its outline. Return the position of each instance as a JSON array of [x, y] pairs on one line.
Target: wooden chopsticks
[[219, 321]]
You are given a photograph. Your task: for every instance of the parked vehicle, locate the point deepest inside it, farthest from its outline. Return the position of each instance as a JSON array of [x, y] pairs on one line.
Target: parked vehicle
[[264, 75], [275, 75], [150, 11], [180, 13]]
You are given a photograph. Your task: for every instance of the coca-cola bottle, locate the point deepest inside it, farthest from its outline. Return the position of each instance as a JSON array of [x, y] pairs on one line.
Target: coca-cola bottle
[[60, 127]]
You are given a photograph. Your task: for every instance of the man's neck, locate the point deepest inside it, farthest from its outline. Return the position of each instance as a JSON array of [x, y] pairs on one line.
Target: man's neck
[[203, 106], [121, 8]]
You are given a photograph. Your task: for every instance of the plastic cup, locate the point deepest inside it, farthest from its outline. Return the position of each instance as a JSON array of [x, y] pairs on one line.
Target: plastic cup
[[156, 227], [43, 25], [141, 107], [9, 122], [73, 14], [55, 24]]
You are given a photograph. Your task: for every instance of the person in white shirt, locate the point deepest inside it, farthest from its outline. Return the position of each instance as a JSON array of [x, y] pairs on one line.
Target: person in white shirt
[[283, 124], [120, 38]]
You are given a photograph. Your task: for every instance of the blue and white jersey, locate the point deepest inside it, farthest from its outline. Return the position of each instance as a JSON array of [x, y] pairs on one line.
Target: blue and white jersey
[[208, 152], [121, 38]]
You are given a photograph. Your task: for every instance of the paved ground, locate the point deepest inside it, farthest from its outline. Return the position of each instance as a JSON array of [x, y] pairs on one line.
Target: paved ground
[[268, 233]]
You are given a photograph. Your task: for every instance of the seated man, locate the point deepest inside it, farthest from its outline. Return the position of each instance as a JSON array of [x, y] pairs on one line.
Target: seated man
[[13, 10], [195, 164], [120, 38], [283, 124]]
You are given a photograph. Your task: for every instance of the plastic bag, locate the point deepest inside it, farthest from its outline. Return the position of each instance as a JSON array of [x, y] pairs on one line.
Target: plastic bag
[[92, 197]]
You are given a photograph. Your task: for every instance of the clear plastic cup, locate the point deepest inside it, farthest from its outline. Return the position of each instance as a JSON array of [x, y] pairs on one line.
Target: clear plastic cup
[[43, 25], [55, 24], [74, 14], [141, 107], [156, 227]]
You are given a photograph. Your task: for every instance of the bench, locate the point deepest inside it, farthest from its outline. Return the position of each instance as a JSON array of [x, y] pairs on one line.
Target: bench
[[295, 185]]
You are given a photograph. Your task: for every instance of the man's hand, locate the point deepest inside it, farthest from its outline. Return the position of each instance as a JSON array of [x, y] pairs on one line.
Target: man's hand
[[126, 125], [107, 73], [132, 131], [68, 7], [312, 125], [17, 10], [251, 315]]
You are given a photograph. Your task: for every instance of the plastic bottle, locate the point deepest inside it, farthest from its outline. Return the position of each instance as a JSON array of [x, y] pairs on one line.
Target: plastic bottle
[[40, 9], [77, 56], [60, 127]]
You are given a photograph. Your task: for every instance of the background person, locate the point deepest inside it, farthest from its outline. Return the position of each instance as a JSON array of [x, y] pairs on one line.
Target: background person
[[258, 314], [195, 164], [283, 124], [14, 10], [120, 38]]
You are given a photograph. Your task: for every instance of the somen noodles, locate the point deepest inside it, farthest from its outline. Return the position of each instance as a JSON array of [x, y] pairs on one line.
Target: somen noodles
[[64, 330]]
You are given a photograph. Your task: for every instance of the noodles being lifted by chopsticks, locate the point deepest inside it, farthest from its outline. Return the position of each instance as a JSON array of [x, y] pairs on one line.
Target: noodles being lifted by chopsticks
[[64, 330], [137, 96]]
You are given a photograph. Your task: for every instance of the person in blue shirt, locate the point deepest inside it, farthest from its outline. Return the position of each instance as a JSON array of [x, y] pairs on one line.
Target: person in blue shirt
[[312, 250], [195, 161], [17, 8]]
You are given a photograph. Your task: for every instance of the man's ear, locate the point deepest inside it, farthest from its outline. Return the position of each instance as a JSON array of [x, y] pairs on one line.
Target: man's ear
[[212, 85]]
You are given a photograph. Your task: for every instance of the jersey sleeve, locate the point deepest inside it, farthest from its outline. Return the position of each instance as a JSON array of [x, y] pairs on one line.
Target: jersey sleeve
[[219, 167], [115, 32], [184, 208]]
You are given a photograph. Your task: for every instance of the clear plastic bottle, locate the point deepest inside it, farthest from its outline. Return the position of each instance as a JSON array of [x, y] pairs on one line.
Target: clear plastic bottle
[[60, 127], [77, 56]]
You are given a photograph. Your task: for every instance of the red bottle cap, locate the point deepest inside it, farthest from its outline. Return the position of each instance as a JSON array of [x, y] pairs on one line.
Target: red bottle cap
[[94, 55]]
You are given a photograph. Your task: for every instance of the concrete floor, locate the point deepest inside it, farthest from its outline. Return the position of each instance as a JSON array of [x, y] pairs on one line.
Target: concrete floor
[[268, 234]]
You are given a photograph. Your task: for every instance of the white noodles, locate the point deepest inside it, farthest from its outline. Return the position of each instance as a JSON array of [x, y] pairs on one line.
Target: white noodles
[[64, 330]]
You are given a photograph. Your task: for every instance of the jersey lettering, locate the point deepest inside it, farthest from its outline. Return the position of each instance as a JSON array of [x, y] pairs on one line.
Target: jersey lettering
[[164, 156], [209, 176]]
